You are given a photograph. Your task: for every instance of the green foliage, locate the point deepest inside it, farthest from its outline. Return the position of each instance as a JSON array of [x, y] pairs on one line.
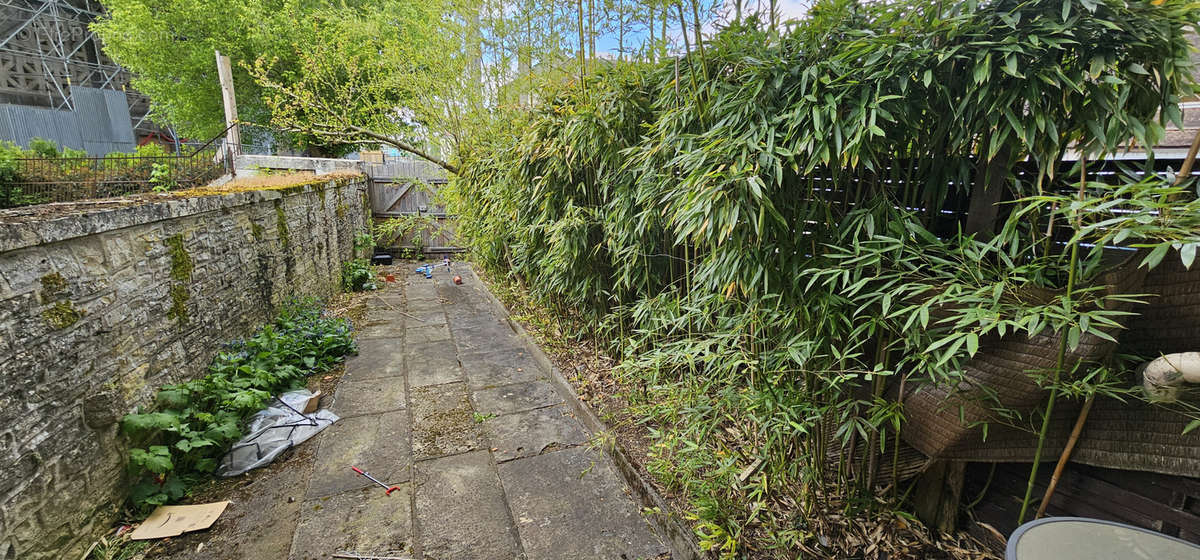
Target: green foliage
[[169, 45], [44, 174], [117, 548], [357, 275], [758, 233], [193, 423], [160, 178], [344, 82], [43, 148], [410, 229]]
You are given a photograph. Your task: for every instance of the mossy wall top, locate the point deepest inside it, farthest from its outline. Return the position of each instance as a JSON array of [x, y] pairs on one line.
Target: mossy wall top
[[99, 308]]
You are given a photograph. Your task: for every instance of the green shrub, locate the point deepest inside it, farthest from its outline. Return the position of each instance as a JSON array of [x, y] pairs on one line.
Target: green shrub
[[41, 147], [357, 276], [180, 441]]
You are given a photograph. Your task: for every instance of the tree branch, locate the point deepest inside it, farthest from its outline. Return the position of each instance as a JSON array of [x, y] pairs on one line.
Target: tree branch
[[405, 146]]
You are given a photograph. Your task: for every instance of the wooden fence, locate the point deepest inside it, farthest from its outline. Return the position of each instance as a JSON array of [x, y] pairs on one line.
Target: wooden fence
[[409, 190]]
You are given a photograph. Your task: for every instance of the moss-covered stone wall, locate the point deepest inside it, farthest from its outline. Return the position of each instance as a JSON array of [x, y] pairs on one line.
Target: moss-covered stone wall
[[100, 307]]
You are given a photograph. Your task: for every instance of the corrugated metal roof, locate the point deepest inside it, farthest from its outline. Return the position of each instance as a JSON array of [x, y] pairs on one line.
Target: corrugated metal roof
[[99, 124]]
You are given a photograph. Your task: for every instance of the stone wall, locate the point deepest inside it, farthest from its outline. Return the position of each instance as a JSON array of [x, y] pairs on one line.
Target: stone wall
[[102, 305]]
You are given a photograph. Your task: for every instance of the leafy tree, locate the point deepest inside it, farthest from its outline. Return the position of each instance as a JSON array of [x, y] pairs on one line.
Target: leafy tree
[[169, 47], [392, 73]]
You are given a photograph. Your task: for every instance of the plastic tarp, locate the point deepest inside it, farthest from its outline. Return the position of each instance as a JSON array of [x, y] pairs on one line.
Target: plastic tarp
[[274, 430]]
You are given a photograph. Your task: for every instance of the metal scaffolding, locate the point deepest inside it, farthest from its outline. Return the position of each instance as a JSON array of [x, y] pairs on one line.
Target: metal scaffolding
[[46, 47]]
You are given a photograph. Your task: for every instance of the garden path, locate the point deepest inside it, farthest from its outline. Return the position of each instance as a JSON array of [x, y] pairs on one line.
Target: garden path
[[445, 401]]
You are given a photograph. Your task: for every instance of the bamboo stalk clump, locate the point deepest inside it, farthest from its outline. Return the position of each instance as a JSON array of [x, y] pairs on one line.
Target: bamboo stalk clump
[[769, 238]]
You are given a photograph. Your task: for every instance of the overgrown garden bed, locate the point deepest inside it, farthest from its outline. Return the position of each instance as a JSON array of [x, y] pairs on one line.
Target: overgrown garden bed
[[180, 440], [781, 237]]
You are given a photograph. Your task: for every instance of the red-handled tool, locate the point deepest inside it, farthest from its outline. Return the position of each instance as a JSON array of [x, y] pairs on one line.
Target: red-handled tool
[[375, 480]]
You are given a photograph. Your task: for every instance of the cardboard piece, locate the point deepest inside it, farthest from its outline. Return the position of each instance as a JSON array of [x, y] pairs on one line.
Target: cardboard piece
[[170, 521], [313, 402]]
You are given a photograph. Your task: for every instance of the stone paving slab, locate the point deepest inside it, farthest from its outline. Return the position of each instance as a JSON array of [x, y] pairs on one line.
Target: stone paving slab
[[443, 422], [466, 319], [470, 343], [501, 367], [531, 433], [431, 318], [516, 398], [453, 294], [433, 333], [376, 443], [486, 334], [366, 522], [377, 357], [416, 305], [385, 313], [436, 368], [394, 329], [572, 504], [445, 401], [461, 509], [370, 396]]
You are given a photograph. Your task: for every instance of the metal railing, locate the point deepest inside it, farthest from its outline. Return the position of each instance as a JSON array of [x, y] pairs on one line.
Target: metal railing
[[30, 181]]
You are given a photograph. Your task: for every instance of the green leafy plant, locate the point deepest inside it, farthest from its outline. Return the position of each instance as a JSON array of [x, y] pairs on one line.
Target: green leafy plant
[[357, 275], [767, 232], [179, 441], [161, 179]]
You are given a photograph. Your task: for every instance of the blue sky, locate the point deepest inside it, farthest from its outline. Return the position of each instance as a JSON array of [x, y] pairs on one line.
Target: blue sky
[[788, 9]]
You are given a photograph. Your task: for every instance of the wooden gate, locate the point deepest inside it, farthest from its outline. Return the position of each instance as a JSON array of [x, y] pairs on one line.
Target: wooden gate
[[409, 189]]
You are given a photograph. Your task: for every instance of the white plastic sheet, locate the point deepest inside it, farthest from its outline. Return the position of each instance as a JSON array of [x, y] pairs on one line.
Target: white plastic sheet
[[274, 430]]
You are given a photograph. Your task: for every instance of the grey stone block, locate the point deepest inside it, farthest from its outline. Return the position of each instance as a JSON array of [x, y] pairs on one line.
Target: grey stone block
[[493, 340], [434, 369], [377, 443], [366, 522], [526, 434], [572, 504], [377, 358], [417, 319], [515, 398], [381, 329], [499, 367], [354, 398], [434, 333], [461, 509], [443, 421]]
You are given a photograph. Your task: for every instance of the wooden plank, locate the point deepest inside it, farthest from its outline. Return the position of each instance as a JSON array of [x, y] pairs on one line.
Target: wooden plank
[[387, 197], [233, 136]]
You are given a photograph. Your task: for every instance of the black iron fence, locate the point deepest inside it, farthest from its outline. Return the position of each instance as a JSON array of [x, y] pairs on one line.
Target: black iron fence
[[26, 181]]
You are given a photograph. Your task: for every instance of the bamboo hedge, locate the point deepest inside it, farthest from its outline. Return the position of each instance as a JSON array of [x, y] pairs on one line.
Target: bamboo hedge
[[767, 232]]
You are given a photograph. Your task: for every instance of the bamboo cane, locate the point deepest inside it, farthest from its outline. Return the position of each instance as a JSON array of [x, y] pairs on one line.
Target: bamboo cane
[[1066, 455]]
